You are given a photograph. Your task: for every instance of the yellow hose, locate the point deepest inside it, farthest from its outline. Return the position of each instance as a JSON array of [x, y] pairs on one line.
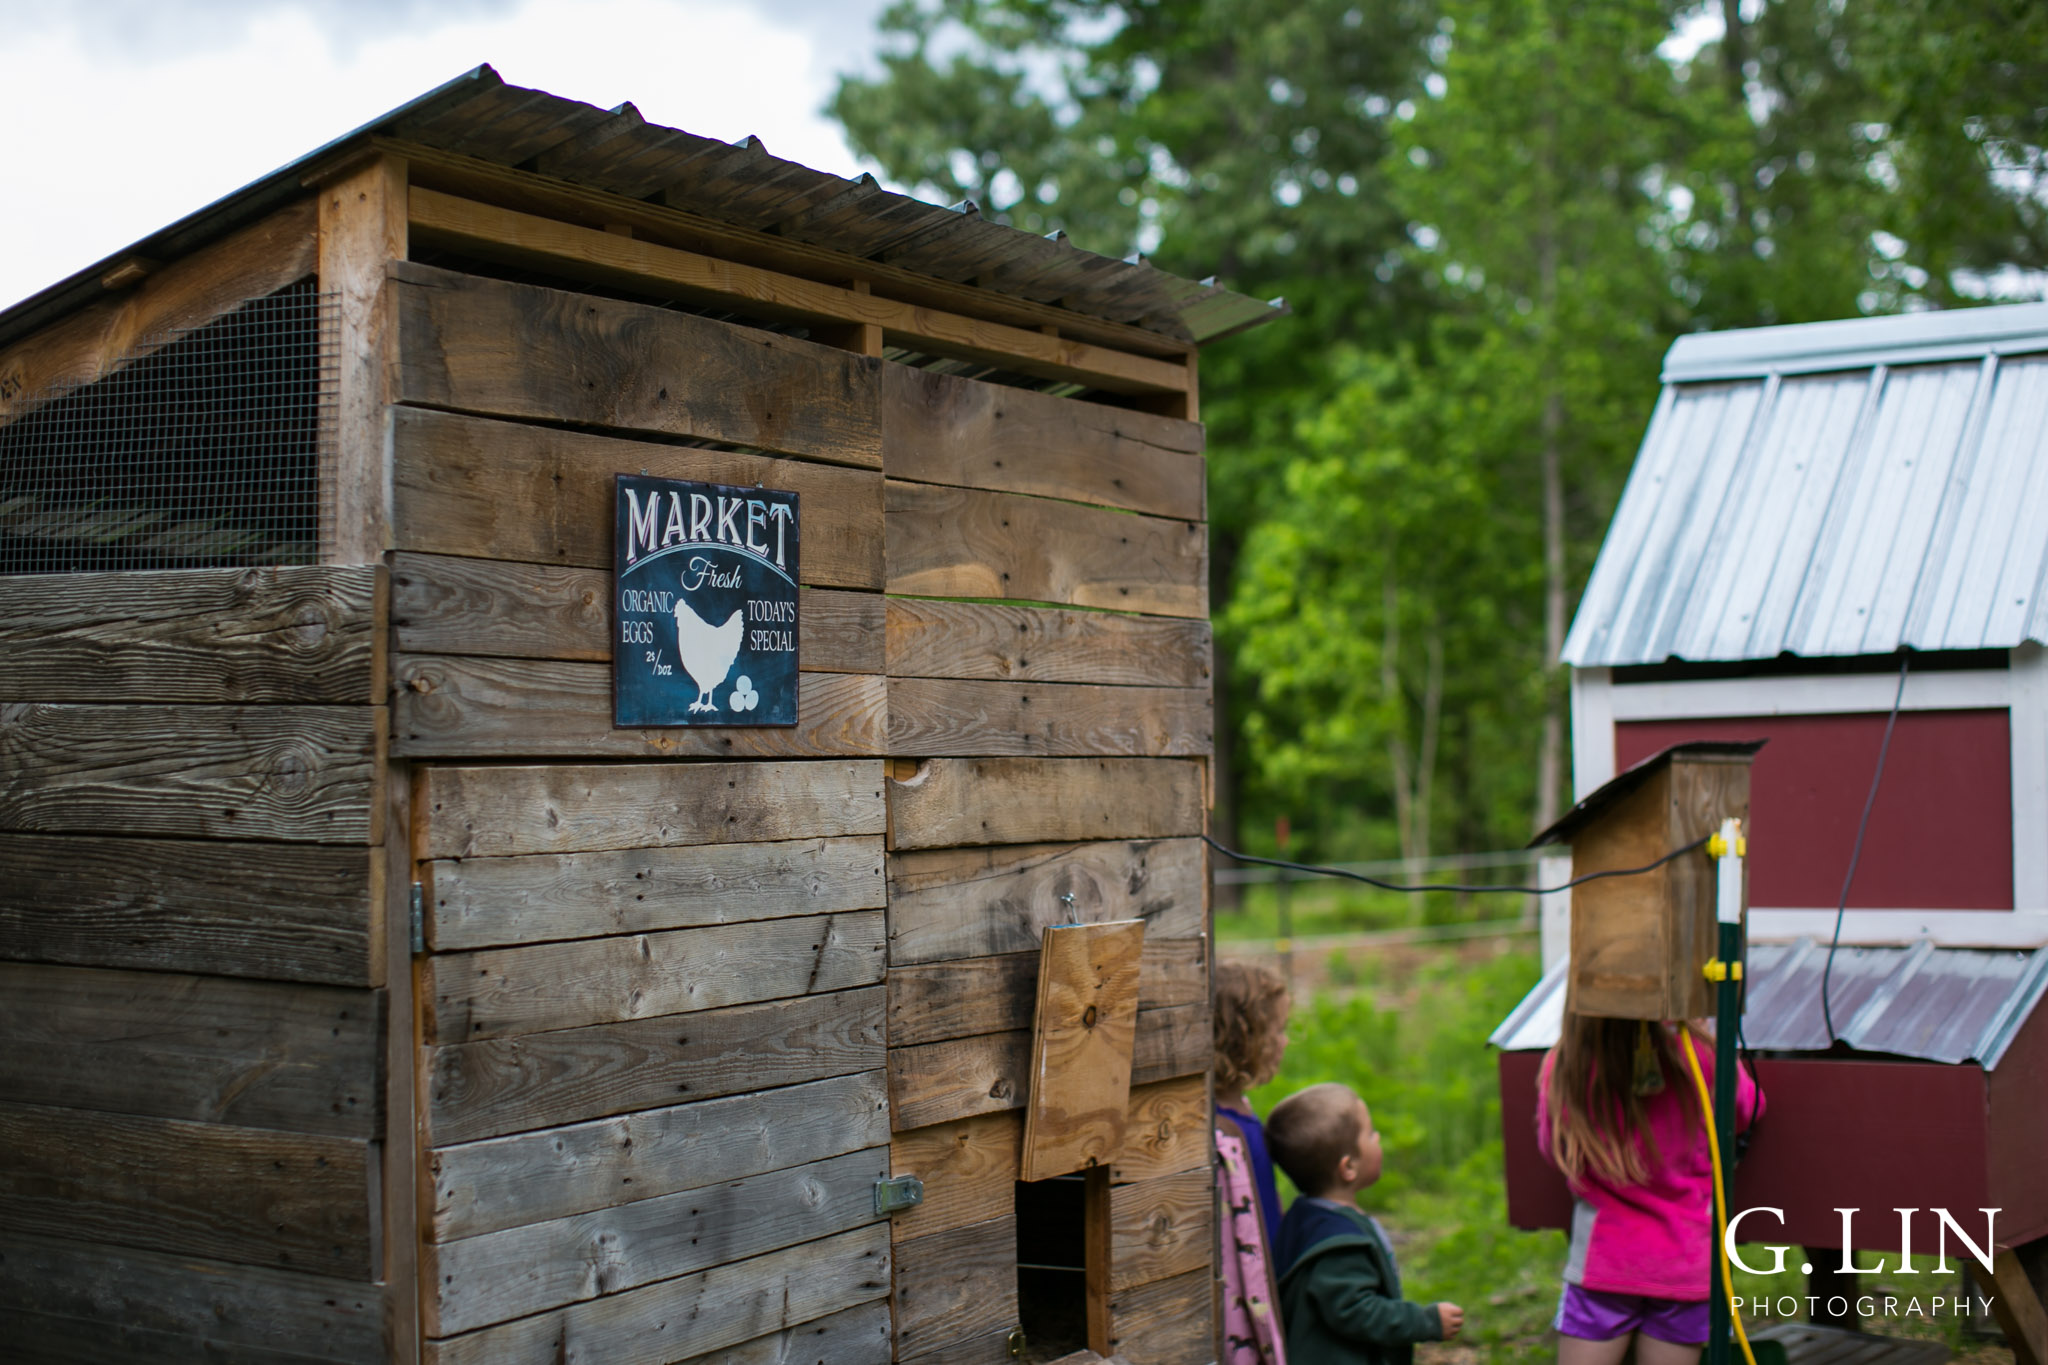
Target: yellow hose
[[1720, 1191]]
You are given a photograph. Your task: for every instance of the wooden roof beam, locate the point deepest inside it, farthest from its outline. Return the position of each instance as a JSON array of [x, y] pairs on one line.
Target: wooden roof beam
[[535, 193], [529, 240]]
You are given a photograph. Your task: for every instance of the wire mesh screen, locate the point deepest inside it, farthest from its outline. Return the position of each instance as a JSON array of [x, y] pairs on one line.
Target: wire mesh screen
[[204, 448]]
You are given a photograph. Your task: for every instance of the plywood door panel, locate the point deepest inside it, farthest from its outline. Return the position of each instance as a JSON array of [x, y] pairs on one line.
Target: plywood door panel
[[445, 605], [1168, 1131], [297, 773], [852, 1336], [482, 345], [475, 812], [506, 1085], [941, 1000], [298, 634], [1080, 1080], [1166, 1322], [480, 902], [954, 542], [945, 716], [1161, 1227], [257, 1054], [930, 638], [691, 1314], [940, 428], [234, 1194], [114, 1304], [451, 707], [956, 1285], [497, 1183], [294, 912], [541, 495], [938, 1082], [969, 1168], [1034, 800], [537, 1266], [974, 902], [499, 992]]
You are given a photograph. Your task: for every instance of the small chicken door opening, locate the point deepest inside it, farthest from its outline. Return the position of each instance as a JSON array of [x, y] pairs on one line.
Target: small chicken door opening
[[1063, 1264]]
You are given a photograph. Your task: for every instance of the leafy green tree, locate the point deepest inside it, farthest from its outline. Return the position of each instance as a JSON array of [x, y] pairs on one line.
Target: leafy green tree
[[1491, 217], [1965, 139], [1231, 138]]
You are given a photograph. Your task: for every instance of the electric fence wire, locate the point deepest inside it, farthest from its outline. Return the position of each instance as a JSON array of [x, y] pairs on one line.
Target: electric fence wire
[[1444, 886], [1856, 853]]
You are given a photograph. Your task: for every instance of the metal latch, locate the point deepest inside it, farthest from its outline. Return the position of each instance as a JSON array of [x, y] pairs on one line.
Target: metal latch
[[419, 919], [897, 1193], [1016, 1344]]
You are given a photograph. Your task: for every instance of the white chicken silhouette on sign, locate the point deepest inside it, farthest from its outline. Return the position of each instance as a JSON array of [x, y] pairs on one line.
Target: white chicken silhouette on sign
[[707, 651]]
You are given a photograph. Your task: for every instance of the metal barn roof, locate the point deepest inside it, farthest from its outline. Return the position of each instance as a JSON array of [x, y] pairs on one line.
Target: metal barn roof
[[1936, 1004], [1834, 489], [478, 115]]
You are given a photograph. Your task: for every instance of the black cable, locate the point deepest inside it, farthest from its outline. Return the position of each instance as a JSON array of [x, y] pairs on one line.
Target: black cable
[[1856, 854], [1396, 886]]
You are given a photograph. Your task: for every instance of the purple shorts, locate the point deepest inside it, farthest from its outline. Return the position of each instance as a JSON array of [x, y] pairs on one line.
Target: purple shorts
[[1599, 1316]]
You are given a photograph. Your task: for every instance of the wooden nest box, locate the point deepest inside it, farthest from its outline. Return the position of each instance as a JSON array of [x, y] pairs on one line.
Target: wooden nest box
[[1638, 942]]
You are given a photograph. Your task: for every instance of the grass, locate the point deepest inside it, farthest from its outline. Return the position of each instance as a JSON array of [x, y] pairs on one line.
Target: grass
[[1328, 906], [1407, 1029]]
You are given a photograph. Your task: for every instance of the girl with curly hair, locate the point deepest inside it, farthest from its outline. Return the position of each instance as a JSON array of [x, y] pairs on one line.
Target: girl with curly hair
[[1251, 1038]]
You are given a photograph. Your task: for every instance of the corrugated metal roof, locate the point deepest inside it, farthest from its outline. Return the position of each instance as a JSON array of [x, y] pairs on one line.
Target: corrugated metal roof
[[618, 151], [1937, 1004], [1784, 504]]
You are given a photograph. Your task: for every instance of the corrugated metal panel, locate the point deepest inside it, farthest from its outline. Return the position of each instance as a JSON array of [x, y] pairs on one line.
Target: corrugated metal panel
[[618, 151], [1831, 514], [1937, 1004], [1856, 343]]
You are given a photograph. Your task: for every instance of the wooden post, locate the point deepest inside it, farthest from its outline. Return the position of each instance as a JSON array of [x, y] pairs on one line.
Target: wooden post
[[862, 338], [362, 229], [1099, 1258], [402, 1167], [2017, 1306]]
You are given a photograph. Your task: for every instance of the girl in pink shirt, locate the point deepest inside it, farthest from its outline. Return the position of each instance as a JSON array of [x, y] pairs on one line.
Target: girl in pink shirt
[[1618, 1113]]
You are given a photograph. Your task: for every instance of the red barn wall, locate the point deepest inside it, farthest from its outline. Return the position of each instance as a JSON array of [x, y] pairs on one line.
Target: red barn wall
[[2019, 1133], [1940, 834], [1875, 1136]]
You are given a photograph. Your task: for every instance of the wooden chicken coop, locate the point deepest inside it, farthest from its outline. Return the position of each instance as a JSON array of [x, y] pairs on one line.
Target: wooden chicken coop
[[403, 956]]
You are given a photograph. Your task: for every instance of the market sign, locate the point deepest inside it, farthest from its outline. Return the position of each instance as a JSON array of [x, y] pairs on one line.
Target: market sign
[[705, 606]]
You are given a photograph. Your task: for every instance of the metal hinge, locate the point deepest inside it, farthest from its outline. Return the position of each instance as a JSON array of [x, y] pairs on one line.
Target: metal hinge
[[419, 919], [897, 1194]]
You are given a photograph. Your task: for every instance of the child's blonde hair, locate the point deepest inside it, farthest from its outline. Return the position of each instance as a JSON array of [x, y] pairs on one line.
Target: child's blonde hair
[[1251, 1007], [1598, 1118]]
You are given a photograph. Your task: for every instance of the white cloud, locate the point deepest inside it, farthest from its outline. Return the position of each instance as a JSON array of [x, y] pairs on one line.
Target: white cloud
[[124, 121]]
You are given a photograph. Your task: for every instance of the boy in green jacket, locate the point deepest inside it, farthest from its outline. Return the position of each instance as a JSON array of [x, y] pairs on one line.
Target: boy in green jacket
[[1340, 1292]]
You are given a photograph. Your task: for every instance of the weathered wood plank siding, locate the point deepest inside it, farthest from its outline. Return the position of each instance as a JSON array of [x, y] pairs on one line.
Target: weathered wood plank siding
[[654, 1102], [1048, 758], [192, 1019]]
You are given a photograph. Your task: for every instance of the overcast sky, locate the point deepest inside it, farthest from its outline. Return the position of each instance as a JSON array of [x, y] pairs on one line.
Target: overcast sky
[[125, 115]]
